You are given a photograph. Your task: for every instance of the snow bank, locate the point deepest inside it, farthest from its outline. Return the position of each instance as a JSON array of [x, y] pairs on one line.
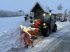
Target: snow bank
[[7, 23], [62, 24], [10, 33], [10, 39]]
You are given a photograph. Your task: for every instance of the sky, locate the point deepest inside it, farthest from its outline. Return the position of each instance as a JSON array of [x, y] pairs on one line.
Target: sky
[[26, 5]]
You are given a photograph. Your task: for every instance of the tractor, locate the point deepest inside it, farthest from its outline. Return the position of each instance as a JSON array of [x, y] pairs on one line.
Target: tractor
[[46, 25]]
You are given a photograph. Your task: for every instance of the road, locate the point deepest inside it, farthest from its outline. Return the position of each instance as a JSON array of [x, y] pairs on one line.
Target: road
[[61, 44], [56, 42]]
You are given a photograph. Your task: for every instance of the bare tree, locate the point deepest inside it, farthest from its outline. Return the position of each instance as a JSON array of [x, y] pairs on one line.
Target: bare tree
[[69, 15], [48, 8], [65, 15], [60, 7]]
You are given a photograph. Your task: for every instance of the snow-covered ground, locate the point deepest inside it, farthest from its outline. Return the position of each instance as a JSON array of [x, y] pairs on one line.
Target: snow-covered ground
[[11, 23], [9, 30], [62, 24], [51, 43], [7, 23]]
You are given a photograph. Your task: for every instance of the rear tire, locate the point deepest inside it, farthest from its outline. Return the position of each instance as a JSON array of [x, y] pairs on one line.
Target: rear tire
[[48, 32], [55, 28]]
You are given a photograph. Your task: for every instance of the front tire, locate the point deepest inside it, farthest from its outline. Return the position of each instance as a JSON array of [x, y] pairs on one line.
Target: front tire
[[45, 32]]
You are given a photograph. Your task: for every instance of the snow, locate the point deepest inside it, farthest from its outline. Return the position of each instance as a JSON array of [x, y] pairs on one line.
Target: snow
[[58, 11], [62, 24], [7, 23], [10, 32], [9, 26], [47, 43]]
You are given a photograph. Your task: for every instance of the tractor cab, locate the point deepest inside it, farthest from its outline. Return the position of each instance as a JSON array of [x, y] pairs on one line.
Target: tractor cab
[[46, 25]]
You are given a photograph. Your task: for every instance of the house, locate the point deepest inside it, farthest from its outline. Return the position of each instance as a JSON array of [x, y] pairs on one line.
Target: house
[[39, 10], [59, 14]]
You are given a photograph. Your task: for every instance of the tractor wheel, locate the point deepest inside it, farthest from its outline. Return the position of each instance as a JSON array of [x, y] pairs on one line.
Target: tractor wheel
[[48, 32], [55, 28], [45, 32]]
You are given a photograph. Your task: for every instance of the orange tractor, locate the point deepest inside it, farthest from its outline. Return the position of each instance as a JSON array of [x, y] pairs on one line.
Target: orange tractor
[[46, 25]]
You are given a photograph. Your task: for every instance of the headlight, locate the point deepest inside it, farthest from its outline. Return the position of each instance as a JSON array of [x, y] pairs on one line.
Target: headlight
[[44, 23], [50, 14], [44, 14], [33, 23]]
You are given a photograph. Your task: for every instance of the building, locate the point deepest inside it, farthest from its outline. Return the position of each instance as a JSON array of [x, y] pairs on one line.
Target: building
[[38, 10]]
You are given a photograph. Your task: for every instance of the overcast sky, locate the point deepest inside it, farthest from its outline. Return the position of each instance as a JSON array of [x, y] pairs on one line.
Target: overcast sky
[[24, 4]]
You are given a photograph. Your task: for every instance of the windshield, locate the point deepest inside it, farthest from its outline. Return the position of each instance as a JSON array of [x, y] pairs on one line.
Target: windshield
[[46, 18]]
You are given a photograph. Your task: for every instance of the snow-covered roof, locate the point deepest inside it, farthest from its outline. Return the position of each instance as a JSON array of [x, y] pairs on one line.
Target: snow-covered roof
[[44, 6], [45, 9], [58, 11]]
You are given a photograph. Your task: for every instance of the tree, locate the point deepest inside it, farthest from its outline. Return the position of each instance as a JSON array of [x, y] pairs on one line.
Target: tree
[[47, 8], [69, 15], [60, 7], [65, 15], [69, 12]]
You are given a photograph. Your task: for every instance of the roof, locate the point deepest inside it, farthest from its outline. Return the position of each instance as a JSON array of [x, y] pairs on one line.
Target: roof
[[58, 11], [42, 6]]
